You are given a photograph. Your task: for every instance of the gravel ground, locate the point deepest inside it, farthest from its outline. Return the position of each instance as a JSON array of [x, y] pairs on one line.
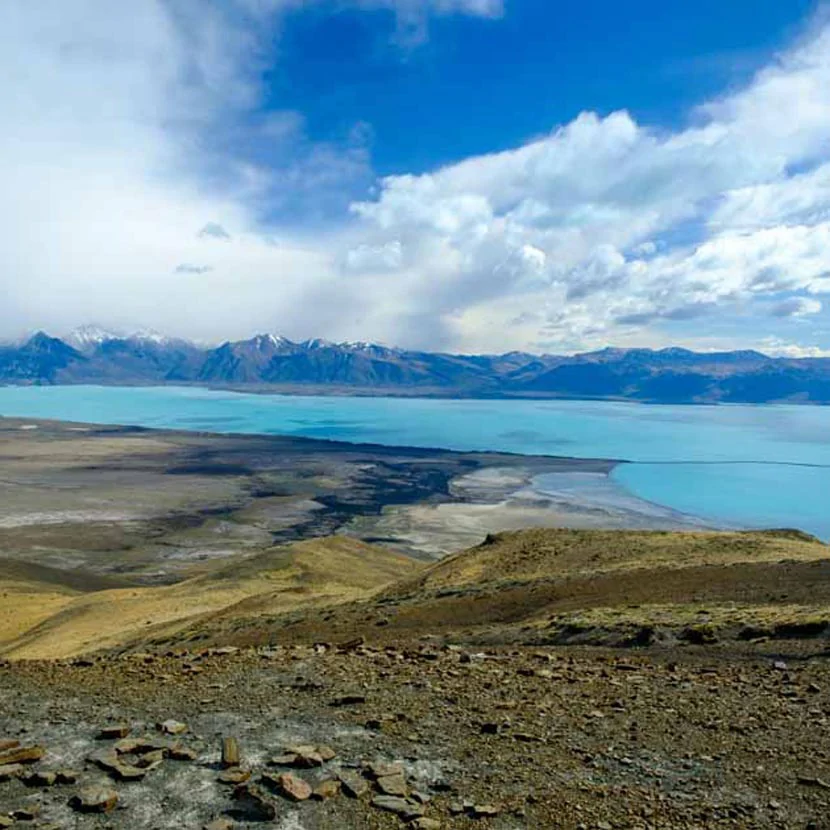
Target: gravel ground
[[520, 738]]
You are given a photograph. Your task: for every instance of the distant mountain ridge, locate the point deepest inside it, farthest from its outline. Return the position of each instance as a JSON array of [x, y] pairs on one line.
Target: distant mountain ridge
[[266, 361]]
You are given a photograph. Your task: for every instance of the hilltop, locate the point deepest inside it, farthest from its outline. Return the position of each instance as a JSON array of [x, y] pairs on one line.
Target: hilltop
[[475, 692], [531, 588], [583, 587], [269, 363]]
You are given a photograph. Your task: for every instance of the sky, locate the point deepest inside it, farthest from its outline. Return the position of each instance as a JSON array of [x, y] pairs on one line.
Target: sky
[[455, 175]]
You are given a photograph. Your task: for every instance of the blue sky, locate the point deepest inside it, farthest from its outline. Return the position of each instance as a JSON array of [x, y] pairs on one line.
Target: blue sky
[[470, 175], [481, 84]]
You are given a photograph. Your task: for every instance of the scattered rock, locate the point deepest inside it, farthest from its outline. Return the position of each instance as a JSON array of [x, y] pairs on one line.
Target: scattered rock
[[381, 769], [291, 787], [9, 771], [109, 761], [286, 760], [354, 785], [230, 752], [328, 788], [40, 779], [234, 775], [150, 760], [94, 800], [21, 755], [179, 752], [407, 810], [111, 733], [305, 756], [173, 727], [326, 752], [392, 785], [67, 776], [138, 746]]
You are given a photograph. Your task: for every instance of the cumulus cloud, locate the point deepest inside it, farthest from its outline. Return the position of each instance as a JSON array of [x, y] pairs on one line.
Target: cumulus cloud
[[118, 142], [796, 307], [604, 201]]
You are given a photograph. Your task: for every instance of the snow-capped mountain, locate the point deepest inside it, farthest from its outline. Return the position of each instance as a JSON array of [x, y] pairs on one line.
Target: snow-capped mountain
[[87, 337], [93, 354]]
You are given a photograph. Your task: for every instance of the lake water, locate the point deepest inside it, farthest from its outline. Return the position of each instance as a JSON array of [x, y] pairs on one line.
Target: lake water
[[750, 466]]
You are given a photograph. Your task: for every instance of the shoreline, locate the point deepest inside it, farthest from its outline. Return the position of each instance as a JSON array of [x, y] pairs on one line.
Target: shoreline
[[328, 390], [154, 506]]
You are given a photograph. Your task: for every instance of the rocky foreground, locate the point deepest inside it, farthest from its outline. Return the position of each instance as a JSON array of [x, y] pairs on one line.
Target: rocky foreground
[[426, 735]]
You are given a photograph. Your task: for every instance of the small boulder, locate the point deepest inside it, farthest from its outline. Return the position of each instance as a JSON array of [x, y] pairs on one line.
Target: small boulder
[[326, 789], [219, 824], [179, 752], [326, 752], [138, 746], [405, 809], [109, 761], [21, 755], [234, 775], [305, 756], [94, 800], [8, 743], [67, 776], [392, 785], [354, 785], [293, 788], [173, 727], [381, 769], [231, 756]]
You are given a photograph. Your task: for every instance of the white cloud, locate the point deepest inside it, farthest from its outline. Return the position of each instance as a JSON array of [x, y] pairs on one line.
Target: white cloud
[[796, 307], [119, 150], [117, 134], [632, 226], [780, 348]]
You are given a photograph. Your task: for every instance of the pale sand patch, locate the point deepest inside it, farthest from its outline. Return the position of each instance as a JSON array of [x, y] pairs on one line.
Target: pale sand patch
[[496, 499]]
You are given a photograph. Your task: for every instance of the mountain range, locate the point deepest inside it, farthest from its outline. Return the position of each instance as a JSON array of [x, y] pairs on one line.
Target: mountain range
[[671, 375]]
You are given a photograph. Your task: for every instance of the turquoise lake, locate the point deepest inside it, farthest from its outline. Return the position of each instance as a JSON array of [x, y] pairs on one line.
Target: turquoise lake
[[747, 466]]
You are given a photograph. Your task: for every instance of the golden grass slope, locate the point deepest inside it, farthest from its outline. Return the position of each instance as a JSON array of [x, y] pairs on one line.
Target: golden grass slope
[[531, 586], [40, 622], [528, 555], [556, 585]]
